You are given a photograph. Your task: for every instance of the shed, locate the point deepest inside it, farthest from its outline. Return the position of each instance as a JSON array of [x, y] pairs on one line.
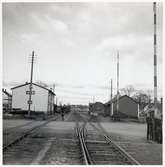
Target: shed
[[96, 107], [42, 99], [128, 108], [7, 100]]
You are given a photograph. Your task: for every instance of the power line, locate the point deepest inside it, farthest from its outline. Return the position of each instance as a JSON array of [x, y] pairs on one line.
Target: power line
[[83, 98], [83, 94]]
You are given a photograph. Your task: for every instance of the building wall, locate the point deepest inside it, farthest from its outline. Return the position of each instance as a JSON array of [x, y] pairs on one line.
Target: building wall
[[39, 100], [97, 108], [127, 107], [107, 110], [50, 105]]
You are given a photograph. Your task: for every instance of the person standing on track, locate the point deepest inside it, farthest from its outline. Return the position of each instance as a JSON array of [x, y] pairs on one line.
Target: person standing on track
[[147, 121], [149, 126], [62, 112]]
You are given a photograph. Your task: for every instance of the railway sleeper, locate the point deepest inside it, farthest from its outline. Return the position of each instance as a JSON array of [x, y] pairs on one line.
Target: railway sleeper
[[102, 162]]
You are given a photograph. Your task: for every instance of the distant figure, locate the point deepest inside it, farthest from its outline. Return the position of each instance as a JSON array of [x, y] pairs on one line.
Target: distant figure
[[147, 121], [152, 128], [149, 127], [158, 130], [62, 112], [152, 125], [55, 108]]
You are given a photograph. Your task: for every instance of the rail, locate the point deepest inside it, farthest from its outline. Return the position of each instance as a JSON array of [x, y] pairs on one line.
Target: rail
[[26, 134], [124, 153], [85, 153], [109, 141]]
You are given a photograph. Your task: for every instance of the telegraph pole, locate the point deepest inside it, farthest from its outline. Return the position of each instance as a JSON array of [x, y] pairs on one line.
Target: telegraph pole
[[155, 59], [30, 86], [111, 89], [93, 99], [117, 85], [54, 107], [111, 106], [56, 100], [54, 88], [155, 67]]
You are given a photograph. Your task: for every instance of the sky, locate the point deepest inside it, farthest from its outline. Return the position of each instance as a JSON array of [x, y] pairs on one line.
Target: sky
[[76, 47]]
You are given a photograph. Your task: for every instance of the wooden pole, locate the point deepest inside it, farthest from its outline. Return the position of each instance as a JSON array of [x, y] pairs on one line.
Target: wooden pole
[[30, 86], [117, 84], [155, 67], [111, 112]]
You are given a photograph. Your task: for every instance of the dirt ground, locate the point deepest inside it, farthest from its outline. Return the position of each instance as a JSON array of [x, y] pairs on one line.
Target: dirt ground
[[129, 135], [14, 123], [126, 128], [132, 137]]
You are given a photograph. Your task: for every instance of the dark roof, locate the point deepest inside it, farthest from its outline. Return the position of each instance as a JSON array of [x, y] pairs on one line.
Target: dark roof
[[35, 85], [8, 94], [115, 99], [96, 103]]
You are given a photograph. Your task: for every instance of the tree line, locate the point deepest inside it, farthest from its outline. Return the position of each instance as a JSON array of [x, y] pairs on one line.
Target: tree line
[[141, 96]]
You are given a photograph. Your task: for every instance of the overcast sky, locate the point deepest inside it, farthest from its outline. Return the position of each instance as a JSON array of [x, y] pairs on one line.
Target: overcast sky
[[76, 46]]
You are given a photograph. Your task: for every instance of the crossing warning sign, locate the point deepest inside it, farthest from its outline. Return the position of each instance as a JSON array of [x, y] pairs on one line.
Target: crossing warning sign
[[29, 102], [32, 92]]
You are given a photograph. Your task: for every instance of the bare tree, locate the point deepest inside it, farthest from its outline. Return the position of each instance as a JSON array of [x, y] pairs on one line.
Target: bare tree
[[142, 97], [128, 90]]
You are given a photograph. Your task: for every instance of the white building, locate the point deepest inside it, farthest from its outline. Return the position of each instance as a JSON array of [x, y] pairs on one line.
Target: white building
[[42, 98]]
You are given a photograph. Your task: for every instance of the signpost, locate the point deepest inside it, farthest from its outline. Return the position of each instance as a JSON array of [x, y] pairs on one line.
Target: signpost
[[32, 92], [29, 102]]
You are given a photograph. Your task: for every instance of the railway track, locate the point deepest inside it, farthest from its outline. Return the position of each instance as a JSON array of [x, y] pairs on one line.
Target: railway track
[[64, 149], [44, 146], [123, 152], [13, 136], [101, 150], [81, 133], [86, 143], [105, 151]]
